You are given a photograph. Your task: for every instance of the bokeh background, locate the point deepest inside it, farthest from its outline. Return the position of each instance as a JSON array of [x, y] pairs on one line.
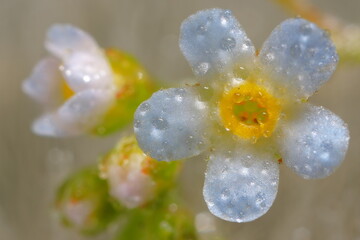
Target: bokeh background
[[31, 166]]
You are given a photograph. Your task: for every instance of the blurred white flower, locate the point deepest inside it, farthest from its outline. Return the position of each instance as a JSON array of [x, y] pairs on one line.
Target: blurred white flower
[[75, 85], [247, 111], [125, 169]]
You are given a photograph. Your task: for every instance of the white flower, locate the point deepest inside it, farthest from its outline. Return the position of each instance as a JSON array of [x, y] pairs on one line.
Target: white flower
[[75, 85], [125, 169], [247, 111]]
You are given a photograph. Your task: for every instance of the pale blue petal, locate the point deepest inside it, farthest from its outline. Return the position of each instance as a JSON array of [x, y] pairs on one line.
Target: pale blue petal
[[241, 183], [172, 124], [213, 42], [298, 57], [315, 142]]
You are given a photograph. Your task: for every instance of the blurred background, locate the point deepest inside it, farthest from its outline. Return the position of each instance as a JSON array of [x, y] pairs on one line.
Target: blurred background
[[31, 166]]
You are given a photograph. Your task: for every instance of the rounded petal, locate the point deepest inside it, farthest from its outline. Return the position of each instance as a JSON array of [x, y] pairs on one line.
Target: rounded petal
[[240, 183], [298, 56], [62, 40], [79, 114], [85, 109], [44, 84], [85, 71], [213, 41], [314, 143], [172, 124], [84, 63], [49, 125]]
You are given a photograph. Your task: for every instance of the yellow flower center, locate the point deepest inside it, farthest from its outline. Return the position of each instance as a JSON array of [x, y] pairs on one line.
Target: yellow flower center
[[249, 111]]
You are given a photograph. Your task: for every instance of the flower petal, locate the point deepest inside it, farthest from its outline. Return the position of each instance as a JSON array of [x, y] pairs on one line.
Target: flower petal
[[240, 183], [172, 124], [84, 63], [85, 109], [79, 114], [44, 84], [213, 42], [299, 56], [49, 125], [63, 40], [314, 143], [86, 71]]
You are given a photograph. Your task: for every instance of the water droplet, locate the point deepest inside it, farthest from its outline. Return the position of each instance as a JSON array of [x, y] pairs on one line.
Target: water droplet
[[160, 123], [137, 124], [227, 13], [144, 107], [245, 47], [224, 170], [225, 194], [178, 98], [295, 50], [201, 29], [260, 197], [244, 171], [202, 68], [306, 29], [227, 43], [270, 56]]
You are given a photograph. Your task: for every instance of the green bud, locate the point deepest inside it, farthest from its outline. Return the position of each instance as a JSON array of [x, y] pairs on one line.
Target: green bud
[[83, 203]]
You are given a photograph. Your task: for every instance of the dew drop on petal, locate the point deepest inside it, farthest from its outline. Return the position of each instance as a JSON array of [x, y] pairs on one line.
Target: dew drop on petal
[[238, 190], [228, 43], [160, 123], [176, 117], [315, 143]]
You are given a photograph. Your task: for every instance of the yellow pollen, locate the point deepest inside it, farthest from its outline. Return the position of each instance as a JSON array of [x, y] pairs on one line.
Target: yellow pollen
[[249, 111]]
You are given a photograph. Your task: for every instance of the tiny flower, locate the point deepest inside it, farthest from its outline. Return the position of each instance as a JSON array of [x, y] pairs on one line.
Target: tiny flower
[[134, 178], [82, 202], [248, 111], [82, 88]]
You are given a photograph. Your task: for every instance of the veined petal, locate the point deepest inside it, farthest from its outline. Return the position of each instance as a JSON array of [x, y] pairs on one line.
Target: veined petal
[[299, 57], [44, 84], [63, 40], [84, 63], [172, 124], [241, 183], [315, 142], [85, 109], [213, 41]]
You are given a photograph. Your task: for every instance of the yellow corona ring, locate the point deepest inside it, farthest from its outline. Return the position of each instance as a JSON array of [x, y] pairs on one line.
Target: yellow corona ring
[[249, 111]]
